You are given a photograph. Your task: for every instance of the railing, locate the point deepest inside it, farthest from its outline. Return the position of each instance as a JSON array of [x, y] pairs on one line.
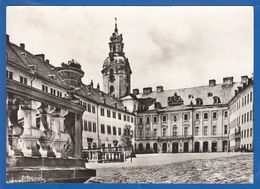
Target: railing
[[175, 137], [102, 155]]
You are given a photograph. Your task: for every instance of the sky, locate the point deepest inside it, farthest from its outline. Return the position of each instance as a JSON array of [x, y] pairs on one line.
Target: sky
[[175, 47]]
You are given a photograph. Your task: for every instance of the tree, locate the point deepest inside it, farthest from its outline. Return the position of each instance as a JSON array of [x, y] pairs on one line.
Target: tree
[[127, 137]]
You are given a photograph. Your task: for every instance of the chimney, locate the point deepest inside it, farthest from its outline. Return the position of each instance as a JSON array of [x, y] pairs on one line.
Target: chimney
[[22, 45], [135, 91], [159, 89], [98, 87], [244, 79], [239, 89], [147, 90], [47, 61], [212, 82], [91, 83], [41, 57], [7, 39], [228, 80]]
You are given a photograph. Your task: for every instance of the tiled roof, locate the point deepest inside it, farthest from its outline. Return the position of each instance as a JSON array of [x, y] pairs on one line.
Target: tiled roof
[[224, 92], [25, 59]]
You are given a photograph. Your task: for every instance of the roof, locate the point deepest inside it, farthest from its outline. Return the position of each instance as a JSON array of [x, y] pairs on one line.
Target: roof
[[26, 60], [188, 95]]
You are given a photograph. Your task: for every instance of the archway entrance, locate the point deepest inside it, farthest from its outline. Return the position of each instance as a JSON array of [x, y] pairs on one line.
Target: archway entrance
[[225, 146], [164, 147], [140, 148], [148, 147], [197, 147], [175, 147], [214, 146], [155, 148], [205, 146], [186, 147]]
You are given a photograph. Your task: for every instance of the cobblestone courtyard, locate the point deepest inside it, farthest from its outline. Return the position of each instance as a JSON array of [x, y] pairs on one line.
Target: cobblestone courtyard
[[178, 168]]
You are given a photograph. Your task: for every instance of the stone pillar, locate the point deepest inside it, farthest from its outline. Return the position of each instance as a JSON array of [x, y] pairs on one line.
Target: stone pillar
[[30, 139], [78, 136]]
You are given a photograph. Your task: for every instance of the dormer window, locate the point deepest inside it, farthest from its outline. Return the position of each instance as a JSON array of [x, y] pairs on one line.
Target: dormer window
[[199, 102], [210, 94], [216, 100]]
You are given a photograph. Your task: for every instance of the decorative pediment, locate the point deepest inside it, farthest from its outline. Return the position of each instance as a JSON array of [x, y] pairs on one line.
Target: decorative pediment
[[175, 100]]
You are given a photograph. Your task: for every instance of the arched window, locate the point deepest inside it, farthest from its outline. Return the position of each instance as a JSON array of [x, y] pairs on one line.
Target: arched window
[[199, 102], [216, 100], [114, 48], [111, 89]]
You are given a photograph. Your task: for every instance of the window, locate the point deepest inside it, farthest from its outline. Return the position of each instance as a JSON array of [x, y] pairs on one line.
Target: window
[[225, 129], [247, 133], [114, 130], [44, 88], [140, 120], [164, 118], [197, 116], [174, 130], [132, 120], [205, 131], [102, 112], [164, 132], [93, 109], [114, 114], [103, 128], [214, 115], [124, 117], [175, 118], [216, 100], [108, 113], [199, 102], [128, 118], [242, 133], [210, 94], [108, 130], [247, 98], [185, 131], [119, 131], [23, 80], [140, 133], [155, 132], [147, 132], [214, 130], [196, 131], [53, 91], [147, 120], [89, 126], [244, 117], [89, 107], [9, 74], [251, 132], [85, 125], [119, 116], [247, 117], [251, 115], [94, 127], [205, 116], [186, 117], [155, 119], [225, 114], [251, 96]]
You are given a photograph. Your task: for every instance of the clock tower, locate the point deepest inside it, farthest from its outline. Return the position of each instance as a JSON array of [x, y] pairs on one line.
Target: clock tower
[[116, 68]]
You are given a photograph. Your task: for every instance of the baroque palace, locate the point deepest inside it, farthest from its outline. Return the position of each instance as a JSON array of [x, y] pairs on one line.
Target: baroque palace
[[51, 113]]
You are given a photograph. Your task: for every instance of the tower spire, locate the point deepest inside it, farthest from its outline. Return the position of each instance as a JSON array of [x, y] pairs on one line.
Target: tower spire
[[116, 30]]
